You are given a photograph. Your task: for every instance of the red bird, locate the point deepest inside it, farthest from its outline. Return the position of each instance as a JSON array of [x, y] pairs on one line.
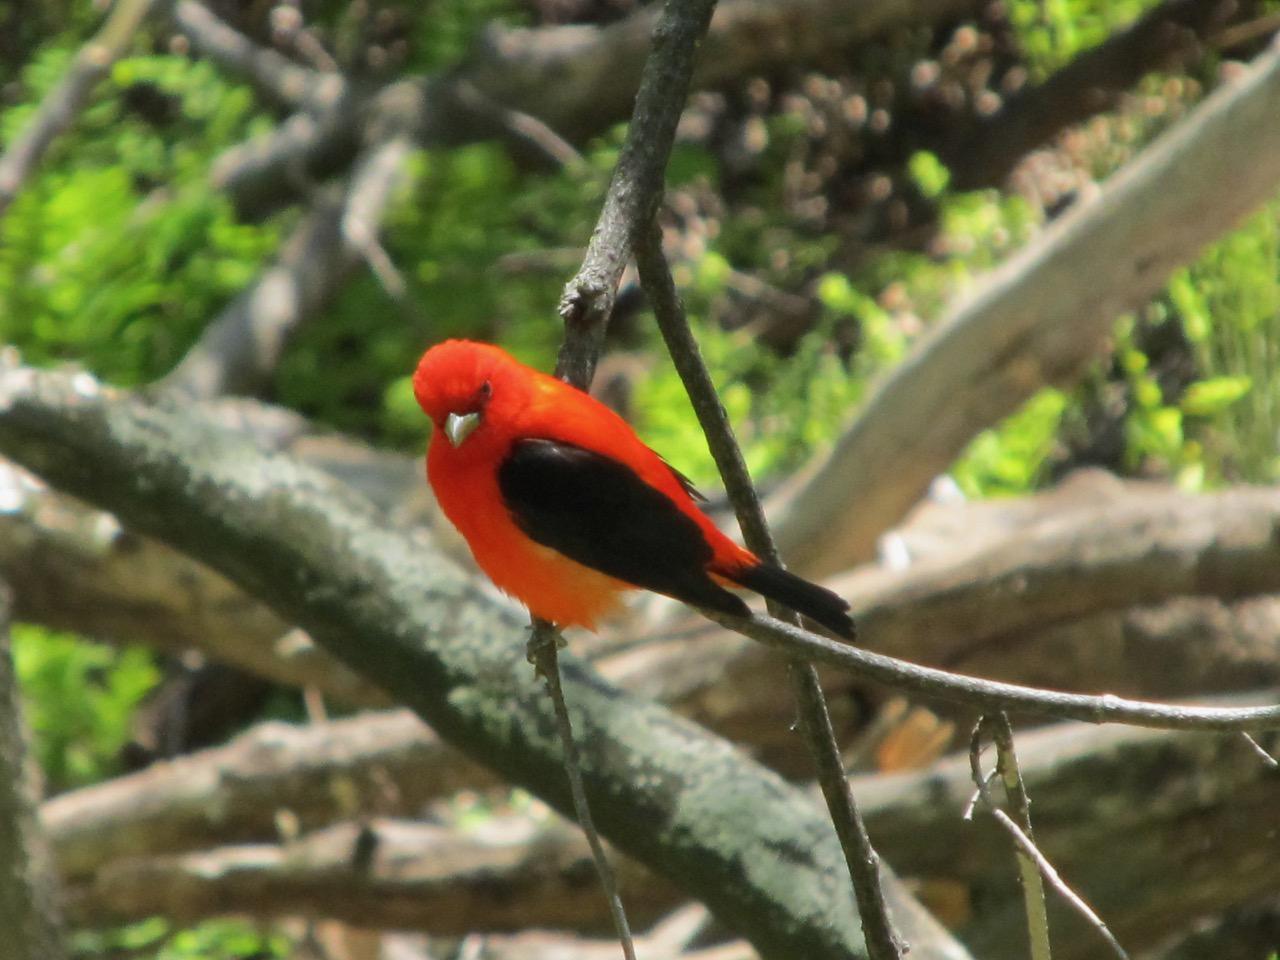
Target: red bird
[[565, 508]]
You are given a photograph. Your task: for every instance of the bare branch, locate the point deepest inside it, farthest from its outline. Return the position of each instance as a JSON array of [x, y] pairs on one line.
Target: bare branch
[[864, 865], [60, 106], [1033, 323], [240, 349], [1016, 792], [273, 74], [636, 188]]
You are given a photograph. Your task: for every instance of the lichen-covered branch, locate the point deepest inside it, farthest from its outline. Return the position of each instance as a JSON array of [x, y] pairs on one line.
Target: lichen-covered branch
[[677, 799]]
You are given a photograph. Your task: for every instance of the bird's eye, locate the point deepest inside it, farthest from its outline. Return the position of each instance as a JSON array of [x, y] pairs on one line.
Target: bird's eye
[[486, 390]]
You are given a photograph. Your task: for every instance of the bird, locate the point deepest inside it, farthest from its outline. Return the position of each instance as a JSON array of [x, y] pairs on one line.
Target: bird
[[567, 510]]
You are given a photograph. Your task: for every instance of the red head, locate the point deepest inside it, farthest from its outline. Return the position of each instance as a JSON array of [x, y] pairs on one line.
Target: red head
[[468, 389]]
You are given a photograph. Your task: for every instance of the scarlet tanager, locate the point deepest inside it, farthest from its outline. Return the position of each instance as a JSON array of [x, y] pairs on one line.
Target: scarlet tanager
[[565, 508]]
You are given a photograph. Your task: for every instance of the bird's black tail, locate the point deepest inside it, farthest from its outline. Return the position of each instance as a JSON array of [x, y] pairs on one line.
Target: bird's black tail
[[815, 602]]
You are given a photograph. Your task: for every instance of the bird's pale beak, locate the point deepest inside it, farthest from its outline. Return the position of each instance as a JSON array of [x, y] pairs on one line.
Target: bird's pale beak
[[459, 426]]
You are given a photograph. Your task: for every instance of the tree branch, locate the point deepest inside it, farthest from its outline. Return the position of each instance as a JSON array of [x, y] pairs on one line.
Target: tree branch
[[1033, 323], [30, 912], [1166, 36], [60, 106], [731, 833], [860, 856], [239, 351]]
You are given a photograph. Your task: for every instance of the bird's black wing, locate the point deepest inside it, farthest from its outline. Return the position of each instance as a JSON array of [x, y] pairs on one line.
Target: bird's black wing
[[597, 511]]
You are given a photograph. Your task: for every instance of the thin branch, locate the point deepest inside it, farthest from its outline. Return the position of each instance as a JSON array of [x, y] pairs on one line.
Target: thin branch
[[632, 198], [543, 653], [1028, 851], [993, 695], [1033, 323], [58, 111], [273, 74], [997, 725], [1261, 751], [239, 350], [864, 865], [636, 188]]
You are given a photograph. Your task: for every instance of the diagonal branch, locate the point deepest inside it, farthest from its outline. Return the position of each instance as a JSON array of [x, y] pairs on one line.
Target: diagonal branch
[[860, 856], [60, 106], [1035, 322], [686, 804], [239, 351]]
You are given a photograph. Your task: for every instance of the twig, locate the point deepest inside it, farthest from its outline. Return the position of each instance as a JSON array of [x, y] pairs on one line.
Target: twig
[[1261, 751], [544, 643], [273, 74], [1028, 849], [636, 187], [239, 350], [997, 725], [58, 110], [863, 862], [993, 694]]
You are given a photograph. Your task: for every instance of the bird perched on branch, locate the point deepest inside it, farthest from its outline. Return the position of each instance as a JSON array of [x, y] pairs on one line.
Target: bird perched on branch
[[566, 509]]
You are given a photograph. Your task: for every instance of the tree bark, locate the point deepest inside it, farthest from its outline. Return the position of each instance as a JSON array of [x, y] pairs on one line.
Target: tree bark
[[1037, 321], [30, 915], [683, 802]]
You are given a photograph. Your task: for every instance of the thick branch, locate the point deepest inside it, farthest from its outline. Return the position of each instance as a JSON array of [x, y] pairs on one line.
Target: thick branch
[[240, 349], [60, 106], [30, 914], [509, 874], [1093, 82], [679, 800], [1034, 322]]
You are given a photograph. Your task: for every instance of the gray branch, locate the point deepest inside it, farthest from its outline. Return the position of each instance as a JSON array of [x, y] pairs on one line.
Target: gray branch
[[1039, 320], [680, 801]]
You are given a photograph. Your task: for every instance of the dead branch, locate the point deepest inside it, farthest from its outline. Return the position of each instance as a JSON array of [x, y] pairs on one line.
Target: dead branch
[[1033, 323], [509, 874], [274, 75], [68, 97], [383, 762]]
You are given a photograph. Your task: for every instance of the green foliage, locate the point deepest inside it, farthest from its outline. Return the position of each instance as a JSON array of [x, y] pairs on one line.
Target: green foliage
[[1229, 306], [1052, 32], [1011, 458], [79, 699], [118, 252], [467, 215], [154, 939]]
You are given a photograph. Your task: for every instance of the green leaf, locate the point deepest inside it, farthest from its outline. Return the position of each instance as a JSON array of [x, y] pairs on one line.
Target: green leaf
[[1207, 397]]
